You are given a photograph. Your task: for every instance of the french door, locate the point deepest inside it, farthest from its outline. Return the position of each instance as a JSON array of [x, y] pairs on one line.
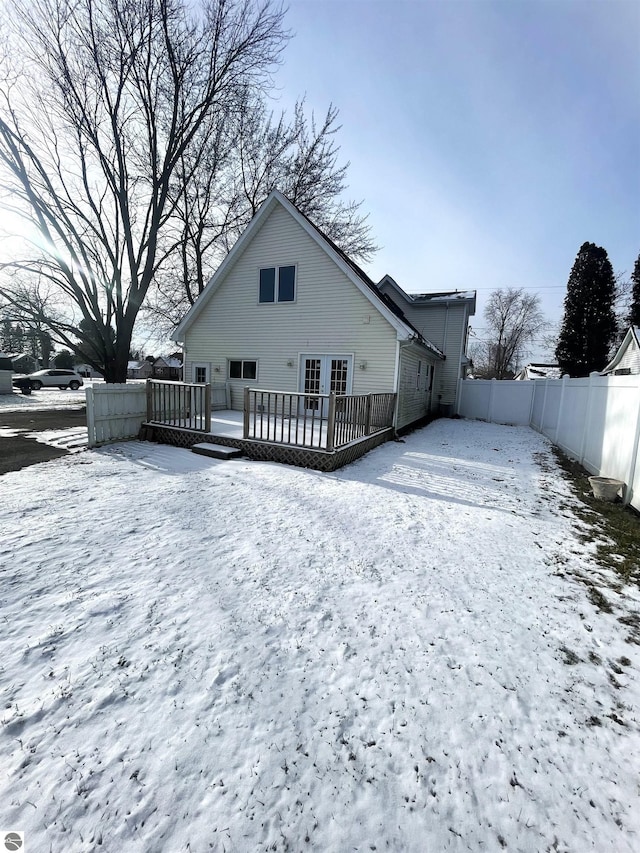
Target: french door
[[322, 374]]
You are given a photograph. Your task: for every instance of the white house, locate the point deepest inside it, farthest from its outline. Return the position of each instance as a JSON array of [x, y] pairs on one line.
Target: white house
[[627, 359], [288, 311]]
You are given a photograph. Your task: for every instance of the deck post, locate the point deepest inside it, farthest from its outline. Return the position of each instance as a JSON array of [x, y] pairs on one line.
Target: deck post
[[331, 422], [245, 413], [149, 401], [367, 417], [207, 407]]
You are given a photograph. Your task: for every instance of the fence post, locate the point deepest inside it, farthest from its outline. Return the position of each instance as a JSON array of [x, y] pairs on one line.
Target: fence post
[[207, 407], [367, 416], [560, 409], [532, 404], [91, 419], [490, 406], [245, 413], [544, 403], [331, 422], [149, 391]]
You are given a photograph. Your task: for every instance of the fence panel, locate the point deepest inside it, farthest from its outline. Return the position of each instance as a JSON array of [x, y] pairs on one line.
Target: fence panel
[[570, 430], [115, 412], [474, 399], [501, 402], [551, 408]]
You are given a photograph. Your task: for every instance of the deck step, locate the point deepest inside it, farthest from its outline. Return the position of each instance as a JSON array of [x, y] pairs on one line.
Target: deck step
[[217, 451]]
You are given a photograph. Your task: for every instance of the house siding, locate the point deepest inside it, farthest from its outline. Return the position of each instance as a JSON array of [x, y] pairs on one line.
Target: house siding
[[445, 325], [414, 400], [330, 316], [630, 360]]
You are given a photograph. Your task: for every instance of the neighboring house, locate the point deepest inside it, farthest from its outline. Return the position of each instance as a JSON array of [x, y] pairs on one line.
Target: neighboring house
[[288, 311], [139, 369], [23, 362], [627, 359], [442, 318], [539, 371], [167, 367], [87, 371]]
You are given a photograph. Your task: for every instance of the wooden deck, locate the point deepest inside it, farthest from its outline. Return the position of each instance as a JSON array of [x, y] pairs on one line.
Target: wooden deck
[[323, 432]]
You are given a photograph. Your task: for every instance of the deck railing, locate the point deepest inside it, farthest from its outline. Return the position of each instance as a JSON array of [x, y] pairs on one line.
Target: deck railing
[[318, 421], [179, 404]]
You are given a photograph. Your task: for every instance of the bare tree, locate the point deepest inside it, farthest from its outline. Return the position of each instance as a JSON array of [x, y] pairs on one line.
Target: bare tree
[[110, 101], [513, 319], [249, 153], [34, 333]]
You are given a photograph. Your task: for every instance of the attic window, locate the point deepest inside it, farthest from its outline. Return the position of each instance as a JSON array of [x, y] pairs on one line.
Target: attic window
[[278, 284]]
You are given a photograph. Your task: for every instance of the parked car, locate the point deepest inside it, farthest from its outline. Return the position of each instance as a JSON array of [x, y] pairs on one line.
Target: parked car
[[53, 378]]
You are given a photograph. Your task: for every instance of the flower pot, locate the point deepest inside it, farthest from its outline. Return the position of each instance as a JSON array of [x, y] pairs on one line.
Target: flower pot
[[605, 488]]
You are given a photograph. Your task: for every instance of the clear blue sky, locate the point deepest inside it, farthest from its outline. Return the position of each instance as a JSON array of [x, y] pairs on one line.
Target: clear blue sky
[[488, 140]]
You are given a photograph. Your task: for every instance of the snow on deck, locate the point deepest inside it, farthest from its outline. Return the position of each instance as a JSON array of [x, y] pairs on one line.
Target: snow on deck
[[228, 655]]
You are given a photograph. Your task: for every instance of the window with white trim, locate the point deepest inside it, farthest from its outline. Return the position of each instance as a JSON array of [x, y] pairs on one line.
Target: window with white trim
[[243, 369], [200, 372], [418, 375], [277, 284]]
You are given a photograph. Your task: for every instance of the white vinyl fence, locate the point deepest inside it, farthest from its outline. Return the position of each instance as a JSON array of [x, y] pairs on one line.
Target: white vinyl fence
[[594, 420]]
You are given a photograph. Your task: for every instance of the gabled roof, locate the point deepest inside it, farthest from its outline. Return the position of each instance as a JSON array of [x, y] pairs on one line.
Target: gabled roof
[[419, 299], [168, 361], [386, 306], [632, 336], [540, 371]]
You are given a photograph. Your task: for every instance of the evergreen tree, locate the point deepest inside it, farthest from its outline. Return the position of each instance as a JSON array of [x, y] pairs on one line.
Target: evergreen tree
[[64, 360], [634, 313], [589, 323]]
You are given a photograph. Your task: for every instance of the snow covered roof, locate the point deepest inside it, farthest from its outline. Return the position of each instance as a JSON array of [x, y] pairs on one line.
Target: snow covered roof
[[449, 296], [425, 299], [540, 371]]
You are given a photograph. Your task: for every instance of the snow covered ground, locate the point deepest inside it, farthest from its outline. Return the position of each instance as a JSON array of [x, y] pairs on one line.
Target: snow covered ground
[[45, 398], [235, 656]]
